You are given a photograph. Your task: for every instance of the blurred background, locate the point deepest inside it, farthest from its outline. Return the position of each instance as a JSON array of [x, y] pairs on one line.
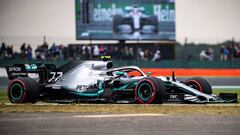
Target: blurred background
[[186, 33]]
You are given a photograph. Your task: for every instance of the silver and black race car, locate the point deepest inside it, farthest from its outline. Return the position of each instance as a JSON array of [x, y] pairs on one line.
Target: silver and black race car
[[135, 22], [98, 81]]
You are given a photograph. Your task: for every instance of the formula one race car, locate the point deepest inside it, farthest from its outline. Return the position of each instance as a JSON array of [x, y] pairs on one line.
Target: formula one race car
[[135, 21], [98, 81]]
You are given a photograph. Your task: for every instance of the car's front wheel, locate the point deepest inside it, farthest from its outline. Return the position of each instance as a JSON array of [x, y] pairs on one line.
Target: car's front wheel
[[149, 90], [201, 84]]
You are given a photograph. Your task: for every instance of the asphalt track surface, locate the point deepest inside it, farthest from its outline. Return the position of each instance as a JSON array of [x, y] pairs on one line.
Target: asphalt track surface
[[93, 124]]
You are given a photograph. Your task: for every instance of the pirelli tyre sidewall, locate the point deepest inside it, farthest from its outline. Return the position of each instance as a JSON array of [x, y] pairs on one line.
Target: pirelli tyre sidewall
[[17, 91], [116, 21], [154, 22], [149, 90], [201, 84], [23, 90]]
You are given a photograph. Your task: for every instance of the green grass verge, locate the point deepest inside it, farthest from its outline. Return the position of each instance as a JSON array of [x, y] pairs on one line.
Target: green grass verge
[[3, 97]]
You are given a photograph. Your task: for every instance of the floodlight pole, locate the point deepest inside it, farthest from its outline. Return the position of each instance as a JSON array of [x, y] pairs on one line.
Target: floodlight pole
[[185, 41], [45, 41], [44, 38], [184, 49]]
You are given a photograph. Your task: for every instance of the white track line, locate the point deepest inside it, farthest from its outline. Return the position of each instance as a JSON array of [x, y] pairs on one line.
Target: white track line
[[226, 87], [118, 115]]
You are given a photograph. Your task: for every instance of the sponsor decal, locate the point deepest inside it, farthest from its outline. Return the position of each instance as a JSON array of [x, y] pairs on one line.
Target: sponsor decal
[[164, 13], [175, 98], [83, 88], [56, 86], [14, 69], [19, 74], [31, 67], [106, 14]]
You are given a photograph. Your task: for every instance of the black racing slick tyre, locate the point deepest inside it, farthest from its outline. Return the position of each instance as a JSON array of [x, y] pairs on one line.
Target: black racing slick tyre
[[200, 84], [149, 90], [23, 90], [117, 19], [154, 22]]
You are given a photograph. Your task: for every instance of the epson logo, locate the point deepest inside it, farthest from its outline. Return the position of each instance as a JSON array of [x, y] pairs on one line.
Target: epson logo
[[14, 69]]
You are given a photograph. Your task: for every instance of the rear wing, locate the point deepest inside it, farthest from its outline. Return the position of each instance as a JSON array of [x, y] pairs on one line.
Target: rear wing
[[22, 70]]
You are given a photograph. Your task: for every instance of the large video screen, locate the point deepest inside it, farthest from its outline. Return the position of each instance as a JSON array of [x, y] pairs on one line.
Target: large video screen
[[125, 19]]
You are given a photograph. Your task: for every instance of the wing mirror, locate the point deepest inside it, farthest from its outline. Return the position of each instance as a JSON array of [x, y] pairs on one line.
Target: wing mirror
[[148, 73]]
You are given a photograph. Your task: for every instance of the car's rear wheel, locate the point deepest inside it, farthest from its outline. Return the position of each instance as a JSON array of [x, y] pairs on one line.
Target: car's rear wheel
[[200, 84], [149, 90], [154, 22], [23, 90]]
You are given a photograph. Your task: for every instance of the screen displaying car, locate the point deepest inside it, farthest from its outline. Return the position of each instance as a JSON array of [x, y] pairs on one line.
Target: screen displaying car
[[125, 19]]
